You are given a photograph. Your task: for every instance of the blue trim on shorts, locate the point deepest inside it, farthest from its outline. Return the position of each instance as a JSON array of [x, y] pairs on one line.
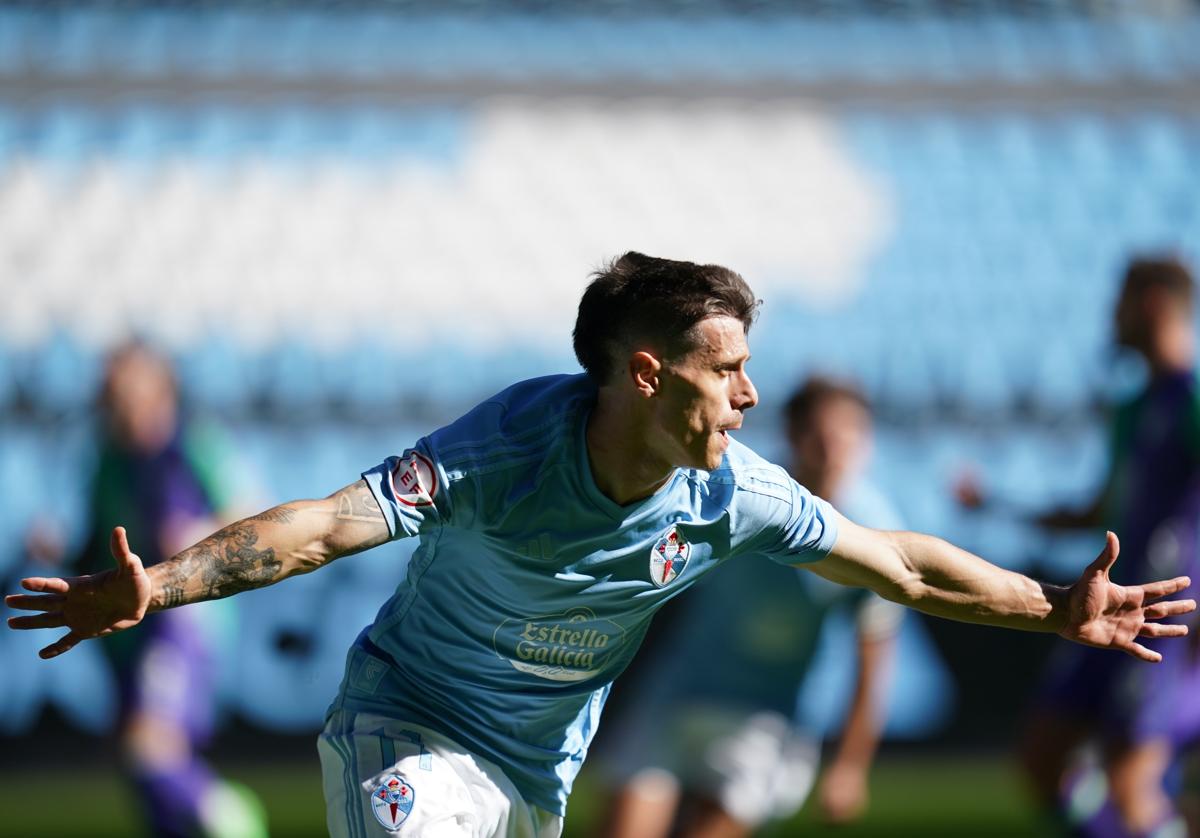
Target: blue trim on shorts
[[350, 784], [362, 821]]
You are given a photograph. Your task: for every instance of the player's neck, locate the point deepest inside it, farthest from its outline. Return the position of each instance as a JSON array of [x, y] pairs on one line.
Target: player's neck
[[623, 466]]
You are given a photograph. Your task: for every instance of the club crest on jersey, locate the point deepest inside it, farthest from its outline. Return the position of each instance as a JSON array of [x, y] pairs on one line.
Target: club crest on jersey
[[668, 558], [414, 480], [392, 801]]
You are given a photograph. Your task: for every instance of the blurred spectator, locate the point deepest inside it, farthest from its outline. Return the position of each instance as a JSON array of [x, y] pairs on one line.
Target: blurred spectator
[[163, 476], [710, 741], [1137, 715]]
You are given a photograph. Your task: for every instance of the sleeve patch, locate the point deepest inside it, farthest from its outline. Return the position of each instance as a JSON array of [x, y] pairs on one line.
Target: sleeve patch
[[414, 480]]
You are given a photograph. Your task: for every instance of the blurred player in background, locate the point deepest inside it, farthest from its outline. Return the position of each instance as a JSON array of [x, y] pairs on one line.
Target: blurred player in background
[[555, 519], [709, 736], [1137, 715], [168, 479]]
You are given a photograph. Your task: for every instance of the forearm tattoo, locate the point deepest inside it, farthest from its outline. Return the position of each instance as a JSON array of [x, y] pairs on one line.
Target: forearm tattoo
[[356, 503], [242, 567], [172, 595], [233, 560], [222, 564]]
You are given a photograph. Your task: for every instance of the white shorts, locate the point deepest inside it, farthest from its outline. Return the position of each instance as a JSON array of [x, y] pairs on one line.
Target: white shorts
[[757, 765], [386, 778]]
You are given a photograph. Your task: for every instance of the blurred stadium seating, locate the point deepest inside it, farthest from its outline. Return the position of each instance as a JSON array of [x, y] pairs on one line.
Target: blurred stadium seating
[[234, 252], [349, 222], [1023, 42]]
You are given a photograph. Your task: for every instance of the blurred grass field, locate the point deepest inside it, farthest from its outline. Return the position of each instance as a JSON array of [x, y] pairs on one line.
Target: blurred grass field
[[911, 795]]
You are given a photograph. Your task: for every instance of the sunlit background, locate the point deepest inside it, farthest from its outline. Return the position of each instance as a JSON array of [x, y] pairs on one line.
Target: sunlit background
[[348, 222]]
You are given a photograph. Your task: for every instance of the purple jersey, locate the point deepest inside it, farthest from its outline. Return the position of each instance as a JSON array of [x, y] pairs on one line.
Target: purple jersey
[[1153, 504], [163, 669]]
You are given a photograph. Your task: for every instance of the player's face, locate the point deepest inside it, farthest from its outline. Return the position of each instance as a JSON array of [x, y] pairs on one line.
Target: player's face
[[141, 402], [705, 393], [835, 442]]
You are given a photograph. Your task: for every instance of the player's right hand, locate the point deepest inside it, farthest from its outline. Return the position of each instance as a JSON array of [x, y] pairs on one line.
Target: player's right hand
[[89, 606]]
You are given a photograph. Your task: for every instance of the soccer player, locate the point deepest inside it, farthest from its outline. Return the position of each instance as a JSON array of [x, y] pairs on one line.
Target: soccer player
[[158, 472], [1138, 715], [709, 741], [469, 704]]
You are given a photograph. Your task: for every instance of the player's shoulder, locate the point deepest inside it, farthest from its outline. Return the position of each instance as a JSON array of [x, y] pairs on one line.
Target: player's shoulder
[[518, 422], [744, 472]]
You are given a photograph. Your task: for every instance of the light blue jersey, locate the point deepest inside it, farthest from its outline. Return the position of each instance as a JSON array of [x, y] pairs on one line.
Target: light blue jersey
[[748, 635], [530, 589]]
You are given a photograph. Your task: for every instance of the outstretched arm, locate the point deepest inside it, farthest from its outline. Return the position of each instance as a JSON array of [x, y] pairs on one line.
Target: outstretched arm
[[287, 540], [293, 538], [929, 574]]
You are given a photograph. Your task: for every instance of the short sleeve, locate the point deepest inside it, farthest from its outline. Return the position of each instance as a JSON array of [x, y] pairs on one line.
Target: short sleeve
[[783, 520], [412, 491]]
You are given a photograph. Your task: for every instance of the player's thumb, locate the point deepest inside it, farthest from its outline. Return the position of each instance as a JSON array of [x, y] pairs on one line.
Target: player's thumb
[[1107, 556], [125, 558]]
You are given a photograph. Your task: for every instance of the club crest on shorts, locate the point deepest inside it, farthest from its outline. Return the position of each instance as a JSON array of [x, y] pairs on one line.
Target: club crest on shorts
[[668, 558], [392, 801]]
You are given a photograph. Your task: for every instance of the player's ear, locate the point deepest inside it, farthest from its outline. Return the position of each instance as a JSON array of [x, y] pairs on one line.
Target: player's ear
[[644, 369]]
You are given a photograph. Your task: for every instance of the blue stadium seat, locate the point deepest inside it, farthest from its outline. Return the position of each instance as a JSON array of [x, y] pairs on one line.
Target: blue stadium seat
[[216, 375], [61, 375], [154, 42], [854, 42], [64, 136], [8, 378], [22, 469], [145, 135], [291, 380]]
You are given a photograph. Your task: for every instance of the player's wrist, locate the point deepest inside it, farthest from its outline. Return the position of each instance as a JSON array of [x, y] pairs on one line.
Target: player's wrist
[[159, 593], [1058, 616]]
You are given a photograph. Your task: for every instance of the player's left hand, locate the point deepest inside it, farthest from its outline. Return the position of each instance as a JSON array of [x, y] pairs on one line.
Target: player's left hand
[[1101, 613], [842, 794]]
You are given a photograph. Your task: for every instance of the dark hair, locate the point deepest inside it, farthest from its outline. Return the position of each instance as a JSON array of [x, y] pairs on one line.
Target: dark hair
[[640, 300], [1167, 273], [816, 391]]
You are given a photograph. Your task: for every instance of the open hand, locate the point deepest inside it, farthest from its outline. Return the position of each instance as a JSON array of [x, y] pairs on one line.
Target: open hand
[[89, 606], [1100, 613]]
